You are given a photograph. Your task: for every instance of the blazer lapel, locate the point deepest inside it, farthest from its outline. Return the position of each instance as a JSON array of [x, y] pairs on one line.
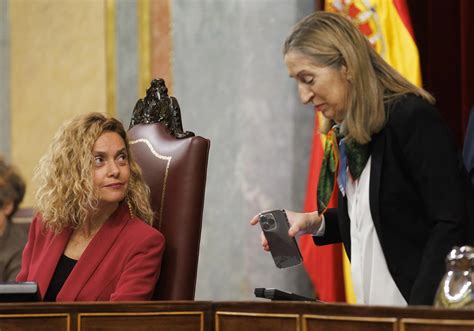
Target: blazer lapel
[[93, 255], [377, 153], [344, 222], [47, 264]]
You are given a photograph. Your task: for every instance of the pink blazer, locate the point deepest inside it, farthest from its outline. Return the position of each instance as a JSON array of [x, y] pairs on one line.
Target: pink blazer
[[121, 263]]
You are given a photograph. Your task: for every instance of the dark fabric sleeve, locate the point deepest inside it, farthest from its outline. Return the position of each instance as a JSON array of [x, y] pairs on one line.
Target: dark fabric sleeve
[[17, 242], [14, 266], [331, 233], [428, 155]]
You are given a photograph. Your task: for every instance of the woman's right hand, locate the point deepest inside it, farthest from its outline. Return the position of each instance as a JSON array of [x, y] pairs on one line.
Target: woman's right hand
[[300, 223], [303, 223]]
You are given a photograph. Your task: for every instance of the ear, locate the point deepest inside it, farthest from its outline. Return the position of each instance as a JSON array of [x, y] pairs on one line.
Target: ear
[[345, 73], [8, 208]]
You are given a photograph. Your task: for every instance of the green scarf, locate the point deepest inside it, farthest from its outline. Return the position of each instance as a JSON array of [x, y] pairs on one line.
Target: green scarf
[[356, 155]]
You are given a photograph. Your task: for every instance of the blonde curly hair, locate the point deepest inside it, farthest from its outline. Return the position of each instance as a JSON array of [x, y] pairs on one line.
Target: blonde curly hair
[[66, 194]]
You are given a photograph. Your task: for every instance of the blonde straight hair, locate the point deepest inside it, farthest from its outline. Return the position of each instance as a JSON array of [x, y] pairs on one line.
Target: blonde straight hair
[[334, 41]]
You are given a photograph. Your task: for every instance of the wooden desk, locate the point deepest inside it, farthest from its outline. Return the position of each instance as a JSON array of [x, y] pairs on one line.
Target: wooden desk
[[228, 316], [275, 316], [140, 316]]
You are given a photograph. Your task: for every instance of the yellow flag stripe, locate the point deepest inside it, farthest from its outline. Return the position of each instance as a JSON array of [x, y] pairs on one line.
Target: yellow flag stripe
[[401, 51], [348, 288]]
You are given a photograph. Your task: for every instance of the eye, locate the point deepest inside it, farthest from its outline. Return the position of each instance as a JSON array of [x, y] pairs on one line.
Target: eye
[[307, 80], [122, 158], [98, 160]]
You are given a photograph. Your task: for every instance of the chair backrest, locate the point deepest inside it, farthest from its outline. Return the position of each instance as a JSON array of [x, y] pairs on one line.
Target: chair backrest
[[174, 165]]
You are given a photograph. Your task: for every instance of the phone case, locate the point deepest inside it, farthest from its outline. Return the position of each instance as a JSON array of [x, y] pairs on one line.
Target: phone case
[[284, 249]]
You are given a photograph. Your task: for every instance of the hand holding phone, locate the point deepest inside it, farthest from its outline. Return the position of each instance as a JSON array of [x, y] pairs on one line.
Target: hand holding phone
[[284, 249]]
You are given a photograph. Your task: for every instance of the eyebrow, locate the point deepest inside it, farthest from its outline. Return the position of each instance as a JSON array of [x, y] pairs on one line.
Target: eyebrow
[[301, 73], [120, 151]]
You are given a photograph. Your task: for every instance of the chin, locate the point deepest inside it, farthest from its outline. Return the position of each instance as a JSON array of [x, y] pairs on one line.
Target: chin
[[112, 199], [329, 115]]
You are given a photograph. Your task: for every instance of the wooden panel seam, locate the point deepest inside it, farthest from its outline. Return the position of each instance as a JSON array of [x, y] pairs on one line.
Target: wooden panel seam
[[392, 320], [201, 313], [405, 321], [68, 317], [228, 313]]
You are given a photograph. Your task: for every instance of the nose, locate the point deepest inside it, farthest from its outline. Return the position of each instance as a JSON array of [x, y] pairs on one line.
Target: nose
[[306, 95], [113, 170]]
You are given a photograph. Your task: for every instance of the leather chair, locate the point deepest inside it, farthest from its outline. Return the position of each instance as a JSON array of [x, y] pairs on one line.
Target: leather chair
[[174, 165]]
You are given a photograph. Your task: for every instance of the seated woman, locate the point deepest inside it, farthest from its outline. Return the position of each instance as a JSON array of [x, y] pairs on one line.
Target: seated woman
[[92, 238], [12, 236]]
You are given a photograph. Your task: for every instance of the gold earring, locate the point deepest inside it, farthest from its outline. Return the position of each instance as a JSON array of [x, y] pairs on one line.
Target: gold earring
[[130, 209]]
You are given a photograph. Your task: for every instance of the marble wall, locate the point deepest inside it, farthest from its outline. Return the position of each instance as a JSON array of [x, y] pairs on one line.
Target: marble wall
[[4, 79], [127, 59], [233, 88]]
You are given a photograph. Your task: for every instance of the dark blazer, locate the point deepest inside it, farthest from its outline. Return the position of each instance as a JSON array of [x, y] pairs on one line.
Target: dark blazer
[[121, 263], [416, 198], [12, 243]]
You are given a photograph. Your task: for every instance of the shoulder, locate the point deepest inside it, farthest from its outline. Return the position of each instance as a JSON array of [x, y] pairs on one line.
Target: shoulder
[[408, 108], [38, 226], [38, 231], [141, 239], [37, 220], [408, 114], [138, 230]]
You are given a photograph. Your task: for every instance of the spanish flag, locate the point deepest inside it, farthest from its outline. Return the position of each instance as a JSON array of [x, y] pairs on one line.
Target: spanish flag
[[323, 264], [386, 24]]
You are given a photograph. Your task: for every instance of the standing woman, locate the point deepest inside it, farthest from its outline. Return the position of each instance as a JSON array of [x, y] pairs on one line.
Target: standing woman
[[401, 205], [92, 238]]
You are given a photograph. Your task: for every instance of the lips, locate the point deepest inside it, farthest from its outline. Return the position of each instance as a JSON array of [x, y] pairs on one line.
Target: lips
[[114, 185], [319, 107]]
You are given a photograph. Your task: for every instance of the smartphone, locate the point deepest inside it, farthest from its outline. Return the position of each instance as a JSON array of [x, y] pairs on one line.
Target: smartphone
[[284, 249]]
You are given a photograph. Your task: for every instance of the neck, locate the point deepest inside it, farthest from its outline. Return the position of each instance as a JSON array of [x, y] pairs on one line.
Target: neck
[[98, 218]]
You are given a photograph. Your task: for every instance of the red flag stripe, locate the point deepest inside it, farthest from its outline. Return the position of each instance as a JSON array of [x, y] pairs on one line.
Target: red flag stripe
[[404, 14], [322, 263]]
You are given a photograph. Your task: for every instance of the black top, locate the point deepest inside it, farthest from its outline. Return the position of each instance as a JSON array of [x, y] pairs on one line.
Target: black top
[[63, 269]]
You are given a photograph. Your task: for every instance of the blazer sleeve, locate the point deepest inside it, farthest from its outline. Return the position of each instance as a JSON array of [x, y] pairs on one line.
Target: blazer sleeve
[[428, 155], [141, 270], [14, 266], [28, 250], [332, 234]]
